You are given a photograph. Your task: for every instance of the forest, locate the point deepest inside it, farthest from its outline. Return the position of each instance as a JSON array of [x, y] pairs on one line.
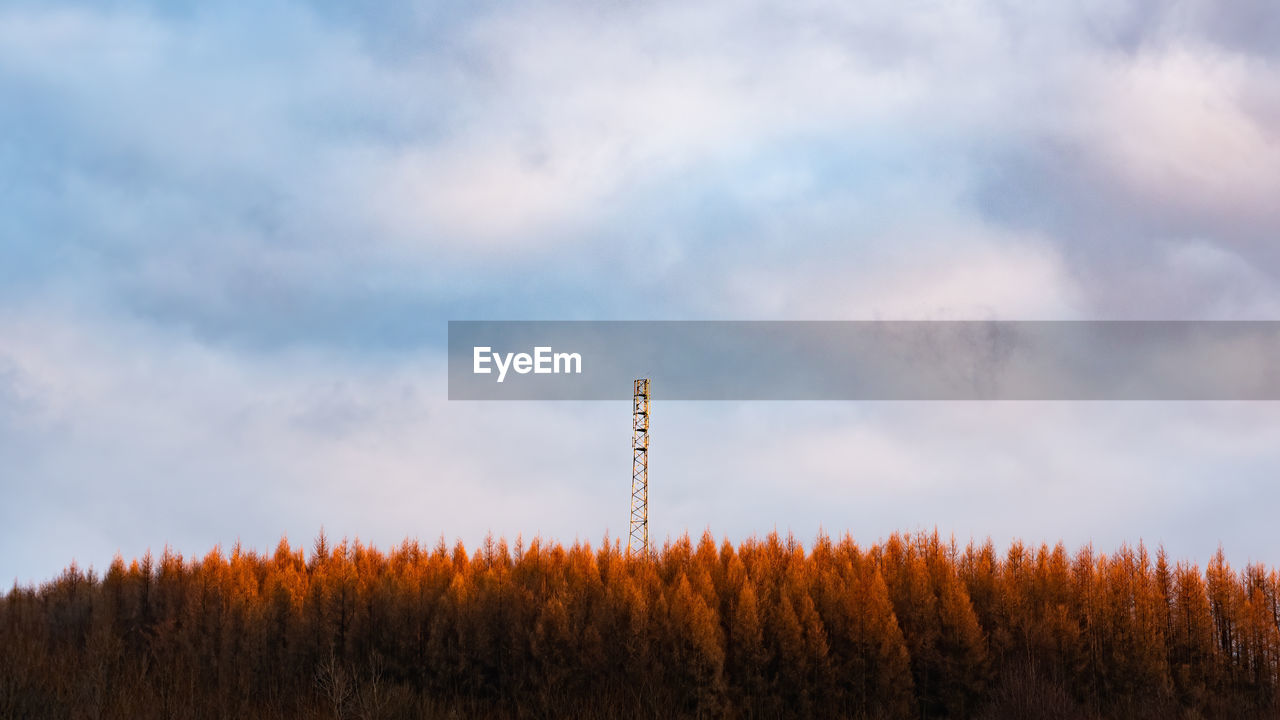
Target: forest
[[913, 626]]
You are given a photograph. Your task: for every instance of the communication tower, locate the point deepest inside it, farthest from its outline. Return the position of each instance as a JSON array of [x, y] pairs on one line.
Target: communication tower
[[638, 540]]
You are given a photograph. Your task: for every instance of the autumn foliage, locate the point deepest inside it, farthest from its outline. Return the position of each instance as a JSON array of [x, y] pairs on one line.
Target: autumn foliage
[[913, 627]]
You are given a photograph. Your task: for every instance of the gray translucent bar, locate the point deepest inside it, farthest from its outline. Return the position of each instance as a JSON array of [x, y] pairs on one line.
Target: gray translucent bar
[[872, 360]]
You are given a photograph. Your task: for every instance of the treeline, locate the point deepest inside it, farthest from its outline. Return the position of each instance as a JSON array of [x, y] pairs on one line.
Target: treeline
[[913, 627]]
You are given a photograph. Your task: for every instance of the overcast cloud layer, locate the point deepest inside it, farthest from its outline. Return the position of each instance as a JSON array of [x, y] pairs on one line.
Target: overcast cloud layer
[[230, 238]]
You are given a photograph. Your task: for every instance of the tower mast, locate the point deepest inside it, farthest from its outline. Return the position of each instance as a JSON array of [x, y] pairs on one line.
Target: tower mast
[[638, 540]]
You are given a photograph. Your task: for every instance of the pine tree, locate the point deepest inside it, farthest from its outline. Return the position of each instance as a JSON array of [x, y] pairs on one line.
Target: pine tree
[[746, 657], [697, 669]]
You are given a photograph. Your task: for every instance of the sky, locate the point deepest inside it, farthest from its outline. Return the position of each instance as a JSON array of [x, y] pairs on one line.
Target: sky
[[232, 234]]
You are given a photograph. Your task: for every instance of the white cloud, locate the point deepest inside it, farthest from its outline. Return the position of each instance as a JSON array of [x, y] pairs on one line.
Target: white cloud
[[1171, 131], [230, 171], [143, 440], [968, 276]]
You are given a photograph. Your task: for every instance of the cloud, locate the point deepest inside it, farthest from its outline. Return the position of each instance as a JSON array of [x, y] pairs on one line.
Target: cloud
[[199, 167], [1100, 473], [139, 440], [143, 441], [230, 237], [1159, 161]]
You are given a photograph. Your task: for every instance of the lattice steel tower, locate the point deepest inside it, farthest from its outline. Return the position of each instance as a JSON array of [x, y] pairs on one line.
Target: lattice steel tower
[[638, 541]]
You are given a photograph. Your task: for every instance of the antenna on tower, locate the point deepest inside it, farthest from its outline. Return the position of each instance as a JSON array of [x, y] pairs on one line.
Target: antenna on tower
[[638, 540]]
